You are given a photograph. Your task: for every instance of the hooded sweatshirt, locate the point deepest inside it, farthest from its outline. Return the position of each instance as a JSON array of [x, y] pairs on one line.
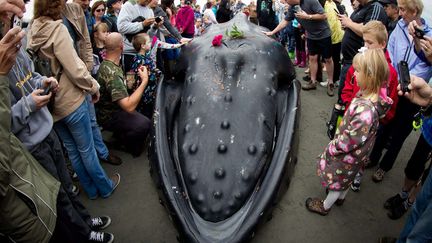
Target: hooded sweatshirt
[[185, 20], [51, 38], [31, 126]]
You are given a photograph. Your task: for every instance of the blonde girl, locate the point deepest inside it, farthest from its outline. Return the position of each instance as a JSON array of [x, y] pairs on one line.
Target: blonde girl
[[99, 36], [346, 154]]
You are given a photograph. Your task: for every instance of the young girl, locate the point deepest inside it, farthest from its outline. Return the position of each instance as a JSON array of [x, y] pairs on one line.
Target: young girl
[[345, 155], [99, 35], [146, 56]]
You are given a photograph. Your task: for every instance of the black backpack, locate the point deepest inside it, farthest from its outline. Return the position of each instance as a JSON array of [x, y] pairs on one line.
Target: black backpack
[[41, 65]]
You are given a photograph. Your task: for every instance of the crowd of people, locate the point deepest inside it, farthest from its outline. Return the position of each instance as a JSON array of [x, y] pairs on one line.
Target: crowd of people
[[105, 62]]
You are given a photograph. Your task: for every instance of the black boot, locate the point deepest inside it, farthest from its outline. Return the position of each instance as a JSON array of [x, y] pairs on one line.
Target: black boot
[[336, 115]]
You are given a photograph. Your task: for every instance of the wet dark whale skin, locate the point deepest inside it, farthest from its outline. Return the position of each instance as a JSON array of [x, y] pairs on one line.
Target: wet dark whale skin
[[217, 132]]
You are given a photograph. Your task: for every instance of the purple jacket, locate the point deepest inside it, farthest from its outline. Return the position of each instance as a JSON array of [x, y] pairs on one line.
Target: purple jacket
[[185, 20]]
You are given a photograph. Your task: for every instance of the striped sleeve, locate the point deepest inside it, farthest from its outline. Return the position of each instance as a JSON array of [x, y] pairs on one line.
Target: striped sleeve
[[376, 12]]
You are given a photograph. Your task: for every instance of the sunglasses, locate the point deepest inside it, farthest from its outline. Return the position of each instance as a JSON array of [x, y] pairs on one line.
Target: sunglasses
[[100, 10]]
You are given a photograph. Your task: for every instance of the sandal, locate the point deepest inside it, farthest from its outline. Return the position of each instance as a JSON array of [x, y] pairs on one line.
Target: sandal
[[316, 205]]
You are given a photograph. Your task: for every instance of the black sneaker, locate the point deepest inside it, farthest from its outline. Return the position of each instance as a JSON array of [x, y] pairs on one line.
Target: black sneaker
[[355, 187], [101, 237], [393, 202], [100, 223], [112, 159], [398, 211]]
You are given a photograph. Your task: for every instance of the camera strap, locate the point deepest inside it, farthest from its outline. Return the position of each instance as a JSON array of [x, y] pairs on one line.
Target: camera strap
[[411, 43], [408, 51]]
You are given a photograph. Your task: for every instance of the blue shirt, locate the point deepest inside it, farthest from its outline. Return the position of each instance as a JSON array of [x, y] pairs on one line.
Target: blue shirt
[[400, 46]]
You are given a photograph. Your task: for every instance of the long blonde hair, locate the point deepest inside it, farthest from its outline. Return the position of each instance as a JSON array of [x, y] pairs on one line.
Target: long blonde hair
[[373, 65]]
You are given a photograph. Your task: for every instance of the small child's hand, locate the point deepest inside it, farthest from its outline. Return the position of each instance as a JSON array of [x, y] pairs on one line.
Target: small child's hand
[[143, 73], [185, 40]]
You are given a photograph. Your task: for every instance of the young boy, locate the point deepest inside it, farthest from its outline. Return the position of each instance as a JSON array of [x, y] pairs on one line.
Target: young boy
[[374, 37], [147, 49]]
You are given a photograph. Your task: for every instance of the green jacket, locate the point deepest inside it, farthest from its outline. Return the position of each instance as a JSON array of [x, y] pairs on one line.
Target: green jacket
[[28, 194]]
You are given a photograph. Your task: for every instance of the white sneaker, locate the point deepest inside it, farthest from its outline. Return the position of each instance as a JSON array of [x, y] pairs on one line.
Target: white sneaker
[[100, 223], [324, 83]]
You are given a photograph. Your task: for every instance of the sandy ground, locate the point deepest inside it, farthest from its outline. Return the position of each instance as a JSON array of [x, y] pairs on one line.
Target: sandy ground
[[138, 217]]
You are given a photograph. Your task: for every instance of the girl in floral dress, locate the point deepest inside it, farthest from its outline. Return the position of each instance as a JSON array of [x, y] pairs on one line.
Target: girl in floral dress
[[346, 154]]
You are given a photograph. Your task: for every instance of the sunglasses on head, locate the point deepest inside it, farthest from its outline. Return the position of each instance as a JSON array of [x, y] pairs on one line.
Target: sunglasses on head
[[100, 10]]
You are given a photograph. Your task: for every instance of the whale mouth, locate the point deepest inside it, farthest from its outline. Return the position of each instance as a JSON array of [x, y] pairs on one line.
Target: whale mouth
[[224, 146]]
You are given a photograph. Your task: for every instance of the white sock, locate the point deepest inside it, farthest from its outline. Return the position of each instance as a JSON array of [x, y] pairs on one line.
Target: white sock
[[331, 198]]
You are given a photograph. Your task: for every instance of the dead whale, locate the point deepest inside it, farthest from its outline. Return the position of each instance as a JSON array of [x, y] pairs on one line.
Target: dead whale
[[225, 133]]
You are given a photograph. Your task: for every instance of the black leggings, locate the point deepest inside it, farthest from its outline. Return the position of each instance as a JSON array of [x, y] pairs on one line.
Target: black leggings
[[396, 131], [300, 43], [416, 164], [336, 54]]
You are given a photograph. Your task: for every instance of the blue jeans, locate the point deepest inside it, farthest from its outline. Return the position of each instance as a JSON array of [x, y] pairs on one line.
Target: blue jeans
[[418, 227], [101, 149], [76, 133]]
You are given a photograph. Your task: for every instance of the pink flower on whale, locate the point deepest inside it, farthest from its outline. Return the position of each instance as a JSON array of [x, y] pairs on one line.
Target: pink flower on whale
[[217, 40]]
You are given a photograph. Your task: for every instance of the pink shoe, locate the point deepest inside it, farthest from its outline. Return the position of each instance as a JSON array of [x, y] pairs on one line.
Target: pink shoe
[[298, 58]]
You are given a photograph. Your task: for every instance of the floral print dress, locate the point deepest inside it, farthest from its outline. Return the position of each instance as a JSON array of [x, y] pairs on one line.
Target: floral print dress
[[346, 153]]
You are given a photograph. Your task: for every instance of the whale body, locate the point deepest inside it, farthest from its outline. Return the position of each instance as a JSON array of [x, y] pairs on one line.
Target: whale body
[[225, 133]]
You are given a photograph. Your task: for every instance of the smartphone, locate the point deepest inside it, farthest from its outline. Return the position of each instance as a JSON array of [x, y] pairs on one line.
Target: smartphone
[[404, 76], [47, 90], [297, 9], [419, 33], [16, 21], [158, 19]]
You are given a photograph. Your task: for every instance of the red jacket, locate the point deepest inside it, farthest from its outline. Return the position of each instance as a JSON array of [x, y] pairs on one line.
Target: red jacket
[[351, 88], [185, 20]]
